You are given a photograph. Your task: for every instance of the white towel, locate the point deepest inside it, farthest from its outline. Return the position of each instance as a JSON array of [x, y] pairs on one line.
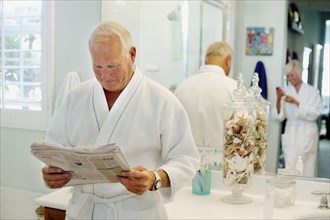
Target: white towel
[[71, 80]]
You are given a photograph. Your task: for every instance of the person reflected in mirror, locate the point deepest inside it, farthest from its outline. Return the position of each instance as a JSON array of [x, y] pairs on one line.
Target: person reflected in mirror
[[203, 95], [120, 105], [327, 127], [301, 105]]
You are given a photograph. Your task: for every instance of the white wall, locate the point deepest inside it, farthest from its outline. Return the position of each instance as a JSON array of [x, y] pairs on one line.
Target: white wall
[[73, 24], [75, 20], [157, 38], [265, 14], [164, 51]]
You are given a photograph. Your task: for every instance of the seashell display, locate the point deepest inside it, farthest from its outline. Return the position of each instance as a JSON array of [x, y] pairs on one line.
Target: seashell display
[[239, 149], [261, 133], [239, 140]]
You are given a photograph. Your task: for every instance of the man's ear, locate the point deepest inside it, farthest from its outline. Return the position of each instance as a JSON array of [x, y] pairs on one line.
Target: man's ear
[[132, 54], [227, 64], [228, 61]]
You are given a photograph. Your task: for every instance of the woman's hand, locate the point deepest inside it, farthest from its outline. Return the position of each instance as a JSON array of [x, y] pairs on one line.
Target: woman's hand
[[291, 100], [279, 93]]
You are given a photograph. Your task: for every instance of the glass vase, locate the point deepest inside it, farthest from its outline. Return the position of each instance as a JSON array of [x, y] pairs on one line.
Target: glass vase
[[261, 107], [239, 128]]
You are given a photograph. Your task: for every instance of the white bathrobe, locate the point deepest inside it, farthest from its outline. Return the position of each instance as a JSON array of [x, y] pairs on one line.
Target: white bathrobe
[[301, 134], [152, 129], [204, 95]]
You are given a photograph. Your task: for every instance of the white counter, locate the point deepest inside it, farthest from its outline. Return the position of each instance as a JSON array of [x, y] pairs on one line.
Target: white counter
[[189, 206], [186, 205], [59, 199]]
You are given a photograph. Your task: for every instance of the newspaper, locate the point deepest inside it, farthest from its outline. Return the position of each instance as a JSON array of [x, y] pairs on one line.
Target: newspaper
[[87, 165]]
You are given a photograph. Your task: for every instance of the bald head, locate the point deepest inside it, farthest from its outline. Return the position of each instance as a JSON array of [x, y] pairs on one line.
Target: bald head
[[219, 54]]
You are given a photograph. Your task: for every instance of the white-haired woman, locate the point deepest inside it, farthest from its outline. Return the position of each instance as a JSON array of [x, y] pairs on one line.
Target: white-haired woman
[[300, 104]]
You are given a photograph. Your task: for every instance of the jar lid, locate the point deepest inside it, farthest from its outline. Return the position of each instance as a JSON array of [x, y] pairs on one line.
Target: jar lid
[[240, 93], [281, 182], [254, 92]]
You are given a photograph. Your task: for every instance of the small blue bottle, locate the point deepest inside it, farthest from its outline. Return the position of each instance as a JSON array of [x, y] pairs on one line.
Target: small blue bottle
[[201, 183]]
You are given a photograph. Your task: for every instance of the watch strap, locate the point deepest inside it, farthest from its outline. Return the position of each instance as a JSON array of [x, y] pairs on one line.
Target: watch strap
[[157, 183]]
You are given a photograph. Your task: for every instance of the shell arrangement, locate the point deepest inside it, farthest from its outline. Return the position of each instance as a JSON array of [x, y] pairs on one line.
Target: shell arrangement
[[260, 141], [239, 142], [261, 107]]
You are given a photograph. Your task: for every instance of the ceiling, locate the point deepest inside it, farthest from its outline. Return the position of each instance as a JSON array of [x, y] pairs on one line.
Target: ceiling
[[318, 5]]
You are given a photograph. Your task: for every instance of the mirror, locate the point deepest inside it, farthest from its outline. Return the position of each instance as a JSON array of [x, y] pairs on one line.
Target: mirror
[[171, 38], [308, 45]]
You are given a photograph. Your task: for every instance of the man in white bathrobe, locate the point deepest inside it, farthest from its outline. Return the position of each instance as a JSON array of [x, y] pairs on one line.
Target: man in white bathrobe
[[300, 104], [145, 119], [204, 95]]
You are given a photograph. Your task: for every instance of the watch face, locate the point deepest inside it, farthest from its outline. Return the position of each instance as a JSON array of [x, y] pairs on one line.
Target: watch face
[[158, 184]]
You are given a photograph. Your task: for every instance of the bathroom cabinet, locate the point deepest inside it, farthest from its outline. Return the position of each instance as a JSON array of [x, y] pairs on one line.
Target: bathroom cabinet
[[54, 214]]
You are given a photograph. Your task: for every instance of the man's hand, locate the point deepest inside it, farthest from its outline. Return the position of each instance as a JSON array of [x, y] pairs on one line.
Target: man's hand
[[137, 180], [55, 177]]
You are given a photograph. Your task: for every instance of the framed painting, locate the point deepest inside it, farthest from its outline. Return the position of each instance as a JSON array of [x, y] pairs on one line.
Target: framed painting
[[259, 41]]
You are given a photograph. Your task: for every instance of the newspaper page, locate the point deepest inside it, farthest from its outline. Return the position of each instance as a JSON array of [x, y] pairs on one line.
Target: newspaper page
[[87, 165]]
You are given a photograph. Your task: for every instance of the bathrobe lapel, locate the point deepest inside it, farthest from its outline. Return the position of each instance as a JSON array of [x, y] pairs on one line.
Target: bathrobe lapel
[[108, 120]]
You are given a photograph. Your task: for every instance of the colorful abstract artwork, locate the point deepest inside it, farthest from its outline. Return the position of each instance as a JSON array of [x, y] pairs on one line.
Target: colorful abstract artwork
[[259, 41]]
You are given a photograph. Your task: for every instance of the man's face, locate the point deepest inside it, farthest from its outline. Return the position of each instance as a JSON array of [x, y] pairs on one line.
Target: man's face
[[112, 68]]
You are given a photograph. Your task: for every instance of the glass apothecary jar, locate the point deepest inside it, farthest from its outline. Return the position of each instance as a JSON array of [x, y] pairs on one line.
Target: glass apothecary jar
[[239, 128], [283, 190], [261, 132]]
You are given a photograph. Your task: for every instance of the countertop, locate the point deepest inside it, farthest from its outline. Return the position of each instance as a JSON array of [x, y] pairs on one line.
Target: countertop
[[186, 205]]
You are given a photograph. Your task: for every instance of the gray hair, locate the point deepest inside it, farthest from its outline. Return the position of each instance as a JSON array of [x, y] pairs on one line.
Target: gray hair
[[218, 48], [104, 31], [295, 66]]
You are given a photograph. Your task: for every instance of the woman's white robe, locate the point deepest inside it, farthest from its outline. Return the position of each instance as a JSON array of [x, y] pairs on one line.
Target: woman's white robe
[[150, 126], [301, 134]]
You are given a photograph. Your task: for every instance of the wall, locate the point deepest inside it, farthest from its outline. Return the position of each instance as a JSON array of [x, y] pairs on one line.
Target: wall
[[75, 20], [261, 14], [19, 169], [159, 40], [313, 25], [313, 22], [168, 49]]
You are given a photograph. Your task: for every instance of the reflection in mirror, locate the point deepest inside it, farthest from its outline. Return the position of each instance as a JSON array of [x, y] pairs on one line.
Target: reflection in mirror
[[171, 37], [312, 49]]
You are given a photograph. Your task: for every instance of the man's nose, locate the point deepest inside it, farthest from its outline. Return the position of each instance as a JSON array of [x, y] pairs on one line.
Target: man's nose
[[107, 73]]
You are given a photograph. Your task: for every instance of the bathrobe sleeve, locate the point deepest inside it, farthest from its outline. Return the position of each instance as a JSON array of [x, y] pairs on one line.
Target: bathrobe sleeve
[[56, 132], [310, 107], [70, 81], [279, 116], [181, 158], [72, 123]]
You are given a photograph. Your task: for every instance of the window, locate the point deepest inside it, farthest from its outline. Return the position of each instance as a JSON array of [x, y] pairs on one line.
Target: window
[[326, 57], [26, 63], [326, 70], [305, 64]]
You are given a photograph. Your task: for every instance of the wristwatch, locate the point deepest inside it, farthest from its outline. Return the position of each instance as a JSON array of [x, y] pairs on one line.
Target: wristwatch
[[157, 183]]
